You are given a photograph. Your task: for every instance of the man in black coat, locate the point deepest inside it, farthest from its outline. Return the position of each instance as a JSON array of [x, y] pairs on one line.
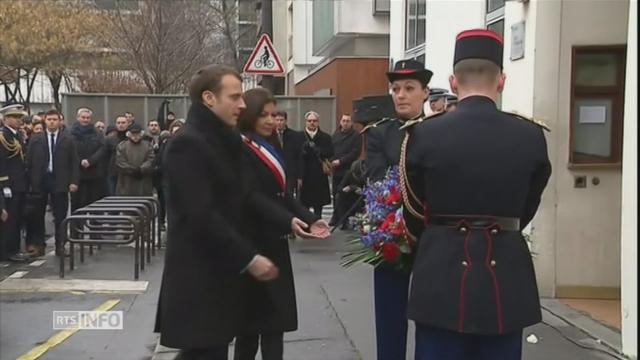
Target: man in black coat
[[481, 173], [111, 143], [53, 165], [201, 305], [291, 142], [347, 145], [13, 181], [384, 139], [91, 152], [317, 148]]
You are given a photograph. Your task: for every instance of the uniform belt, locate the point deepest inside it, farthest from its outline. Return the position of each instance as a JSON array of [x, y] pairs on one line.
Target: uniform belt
[[476, 221]]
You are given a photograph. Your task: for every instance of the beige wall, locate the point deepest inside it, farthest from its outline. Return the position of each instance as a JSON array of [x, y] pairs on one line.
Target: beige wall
[[531, 89], [588, 226], [629, 224]]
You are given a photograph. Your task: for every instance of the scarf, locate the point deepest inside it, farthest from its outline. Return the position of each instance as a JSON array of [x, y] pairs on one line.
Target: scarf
[[79, 130]]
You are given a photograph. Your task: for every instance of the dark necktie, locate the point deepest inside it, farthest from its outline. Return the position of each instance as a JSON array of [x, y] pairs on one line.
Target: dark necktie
[[280, 138], [52, 146]]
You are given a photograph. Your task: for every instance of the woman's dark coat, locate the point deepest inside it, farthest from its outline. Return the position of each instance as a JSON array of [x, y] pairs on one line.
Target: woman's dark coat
[[271, 306]]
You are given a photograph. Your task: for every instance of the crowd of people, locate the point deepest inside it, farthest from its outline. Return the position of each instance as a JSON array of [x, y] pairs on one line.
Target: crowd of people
[[45, 163], [237, 180]]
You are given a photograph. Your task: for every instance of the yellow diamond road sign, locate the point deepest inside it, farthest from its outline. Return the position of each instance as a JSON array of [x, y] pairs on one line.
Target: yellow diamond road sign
[[264, 60]]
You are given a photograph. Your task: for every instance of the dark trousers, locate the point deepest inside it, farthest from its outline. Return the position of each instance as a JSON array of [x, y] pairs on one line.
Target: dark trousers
[[10, 244], [214, 353], [112, 181], [157, 184], [89, 190], [317, 210], [335, 192], [391, 290], [59, 207], [271, 347], [438, 344]]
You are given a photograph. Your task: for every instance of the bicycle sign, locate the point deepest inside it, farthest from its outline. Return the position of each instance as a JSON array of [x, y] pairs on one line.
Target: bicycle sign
[[264, 60]]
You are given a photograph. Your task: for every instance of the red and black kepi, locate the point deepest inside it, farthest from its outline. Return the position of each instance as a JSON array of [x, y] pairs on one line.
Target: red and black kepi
[[478, 44], [410, 69]]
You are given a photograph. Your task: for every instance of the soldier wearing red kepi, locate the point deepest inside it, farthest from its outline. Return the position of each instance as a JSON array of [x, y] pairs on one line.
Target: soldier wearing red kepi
[[480, 173]]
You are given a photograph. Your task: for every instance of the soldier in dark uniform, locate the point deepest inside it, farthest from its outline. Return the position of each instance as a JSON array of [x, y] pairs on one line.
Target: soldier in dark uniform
[[384, 139], [437, 99], [481, 173], [13, 181], [452, 103]]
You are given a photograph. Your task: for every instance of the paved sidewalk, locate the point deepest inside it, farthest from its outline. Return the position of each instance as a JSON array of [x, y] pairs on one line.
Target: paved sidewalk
[[335, 308]]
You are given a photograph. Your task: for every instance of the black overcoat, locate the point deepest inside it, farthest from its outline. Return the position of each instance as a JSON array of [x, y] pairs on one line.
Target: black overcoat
[[66, 165], [201, 297], [292, 143], [346, 148], [90, 146], [271, 306], [315, 184], [476, 160]]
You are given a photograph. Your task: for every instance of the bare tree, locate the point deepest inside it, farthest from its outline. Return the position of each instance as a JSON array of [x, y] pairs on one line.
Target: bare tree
[[163, 41]]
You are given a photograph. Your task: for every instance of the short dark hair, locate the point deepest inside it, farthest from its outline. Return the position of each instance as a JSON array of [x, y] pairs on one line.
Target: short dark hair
[[153, 120], [52, 112], [476, 71], [209, 78], [256, 99], [171, 113], [282, 113]]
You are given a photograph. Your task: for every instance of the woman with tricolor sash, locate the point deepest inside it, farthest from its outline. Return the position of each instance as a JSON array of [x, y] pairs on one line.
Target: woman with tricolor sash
[[271, 306]]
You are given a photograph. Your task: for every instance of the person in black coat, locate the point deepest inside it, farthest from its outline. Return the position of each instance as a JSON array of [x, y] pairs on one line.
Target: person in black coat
[[13, 181], [347, 145], [53, 165], [201, 305], [112, 140], [317, 148], [481, 173], [91, 152], [291, 142], [271, 306]]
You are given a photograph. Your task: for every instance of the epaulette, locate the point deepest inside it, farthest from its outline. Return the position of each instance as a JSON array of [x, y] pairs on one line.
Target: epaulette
[[381, 121], [530, 119], [410, 123]]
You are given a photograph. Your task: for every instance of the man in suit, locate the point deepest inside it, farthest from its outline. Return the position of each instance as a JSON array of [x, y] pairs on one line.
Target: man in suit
[[481, 173], [54, 170], [13, 181], [409, 81], [291, 142], [200, 308], [347, 145]]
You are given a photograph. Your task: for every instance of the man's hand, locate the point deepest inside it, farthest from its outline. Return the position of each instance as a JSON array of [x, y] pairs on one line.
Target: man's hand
[[73, 188], [4, 215], [85, 163], [263, 269], [335, 163], [320, 229]]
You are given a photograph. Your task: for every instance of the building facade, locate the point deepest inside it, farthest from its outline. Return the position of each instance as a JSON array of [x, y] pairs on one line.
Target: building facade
[[330, 51], [571, 64]]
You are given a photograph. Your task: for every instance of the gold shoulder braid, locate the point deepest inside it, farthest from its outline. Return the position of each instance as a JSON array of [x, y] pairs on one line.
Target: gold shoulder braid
[[530, 119], [405, 188], [14, 148]]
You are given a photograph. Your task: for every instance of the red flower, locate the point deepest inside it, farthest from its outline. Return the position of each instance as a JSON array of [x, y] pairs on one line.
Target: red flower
[[388, 221], [394, 197], [398, 229], [390, 252]]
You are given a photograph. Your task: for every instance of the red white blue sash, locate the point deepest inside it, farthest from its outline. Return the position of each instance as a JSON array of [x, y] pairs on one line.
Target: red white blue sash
[[269, 159]]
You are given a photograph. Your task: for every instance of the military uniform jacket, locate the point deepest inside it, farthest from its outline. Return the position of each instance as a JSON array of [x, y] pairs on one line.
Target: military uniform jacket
[[12, 161], [476, 160], [383, 147]]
